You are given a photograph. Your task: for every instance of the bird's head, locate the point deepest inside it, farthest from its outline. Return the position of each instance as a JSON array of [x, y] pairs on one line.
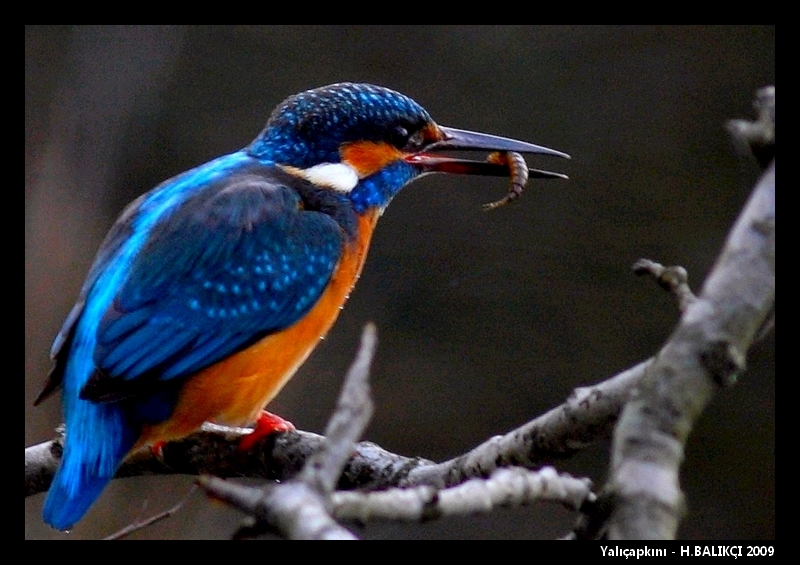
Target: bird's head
[[369, 142]]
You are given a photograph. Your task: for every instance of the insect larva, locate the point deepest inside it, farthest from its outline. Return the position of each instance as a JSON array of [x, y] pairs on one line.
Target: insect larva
[[517, 170]]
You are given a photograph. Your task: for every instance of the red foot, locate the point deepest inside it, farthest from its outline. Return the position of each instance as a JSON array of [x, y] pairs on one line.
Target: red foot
[[158, 449], [266, 425]]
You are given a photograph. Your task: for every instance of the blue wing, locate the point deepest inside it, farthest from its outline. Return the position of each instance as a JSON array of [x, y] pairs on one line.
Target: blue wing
[[198, 268], [238, 260]]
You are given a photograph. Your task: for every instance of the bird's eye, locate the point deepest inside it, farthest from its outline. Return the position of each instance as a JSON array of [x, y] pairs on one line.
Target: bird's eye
[[399, 137], [415, 141], [408, 142]]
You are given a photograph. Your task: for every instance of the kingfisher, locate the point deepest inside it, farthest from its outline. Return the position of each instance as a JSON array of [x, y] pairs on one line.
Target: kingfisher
[[211, 290]]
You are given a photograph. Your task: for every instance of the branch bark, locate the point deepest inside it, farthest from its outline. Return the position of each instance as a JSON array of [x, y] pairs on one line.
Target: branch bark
[[589, 414], [706, 352]]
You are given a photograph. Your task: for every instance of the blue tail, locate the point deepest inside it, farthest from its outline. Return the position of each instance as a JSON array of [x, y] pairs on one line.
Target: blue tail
[[98, 438]]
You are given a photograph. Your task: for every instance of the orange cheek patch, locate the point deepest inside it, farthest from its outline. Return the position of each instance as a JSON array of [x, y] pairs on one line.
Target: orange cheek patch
[[431, 133], [368, 157]]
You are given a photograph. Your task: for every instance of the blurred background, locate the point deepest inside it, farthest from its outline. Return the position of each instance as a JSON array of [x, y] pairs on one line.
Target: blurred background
[[485, 320]]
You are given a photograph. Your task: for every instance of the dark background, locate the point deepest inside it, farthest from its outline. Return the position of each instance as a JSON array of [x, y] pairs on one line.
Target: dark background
[[485, 319]]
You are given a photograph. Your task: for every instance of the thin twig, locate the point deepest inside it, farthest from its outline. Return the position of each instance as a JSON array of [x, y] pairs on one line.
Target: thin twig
[[141, 524], [674, 279], [299, 508]]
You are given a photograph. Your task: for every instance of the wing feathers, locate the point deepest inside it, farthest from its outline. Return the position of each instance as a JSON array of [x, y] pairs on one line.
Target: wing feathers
[[240, 259]]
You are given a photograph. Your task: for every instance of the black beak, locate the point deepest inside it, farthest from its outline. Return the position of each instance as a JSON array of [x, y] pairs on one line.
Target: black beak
[[462, 140]]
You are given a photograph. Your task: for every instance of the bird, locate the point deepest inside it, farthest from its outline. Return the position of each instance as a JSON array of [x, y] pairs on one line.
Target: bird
[[212, 289]]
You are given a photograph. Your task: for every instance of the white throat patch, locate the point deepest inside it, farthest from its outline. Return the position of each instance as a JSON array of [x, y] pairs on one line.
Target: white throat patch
[[340, 177]]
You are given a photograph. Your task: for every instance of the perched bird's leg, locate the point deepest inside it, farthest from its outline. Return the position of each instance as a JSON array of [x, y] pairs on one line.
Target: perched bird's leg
[[267, 424], [157, 449]]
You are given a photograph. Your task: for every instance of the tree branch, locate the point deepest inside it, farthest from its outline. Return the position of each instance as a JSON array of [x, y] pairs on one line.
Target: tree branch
[[589, 414], [299, 508], [643, 499], [505, 487]]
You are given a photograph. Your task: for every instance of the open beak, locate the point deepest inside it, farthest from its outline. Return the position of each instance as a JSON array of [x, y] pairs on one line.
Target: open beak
[[462, 140]]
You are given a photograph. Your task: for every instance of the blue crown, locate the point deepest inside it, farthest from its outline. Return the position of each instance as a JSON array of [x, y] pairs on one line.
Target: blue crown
[[308, 128]]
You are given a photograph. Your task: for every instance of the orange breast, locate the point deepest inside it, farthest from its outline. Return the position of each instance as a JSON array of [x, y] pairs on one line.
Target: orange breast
[[235, 390]]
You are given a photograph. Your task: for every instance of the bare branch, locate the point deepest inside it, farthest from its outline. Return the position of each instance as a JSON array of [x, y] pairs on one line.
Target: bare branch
[[505, 487], [41, 462], [350, 418], [675, 279], [707, 351], [142, 524], [758, 136], [292, 510], [214, 451], [298, 509], [587, 415]]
